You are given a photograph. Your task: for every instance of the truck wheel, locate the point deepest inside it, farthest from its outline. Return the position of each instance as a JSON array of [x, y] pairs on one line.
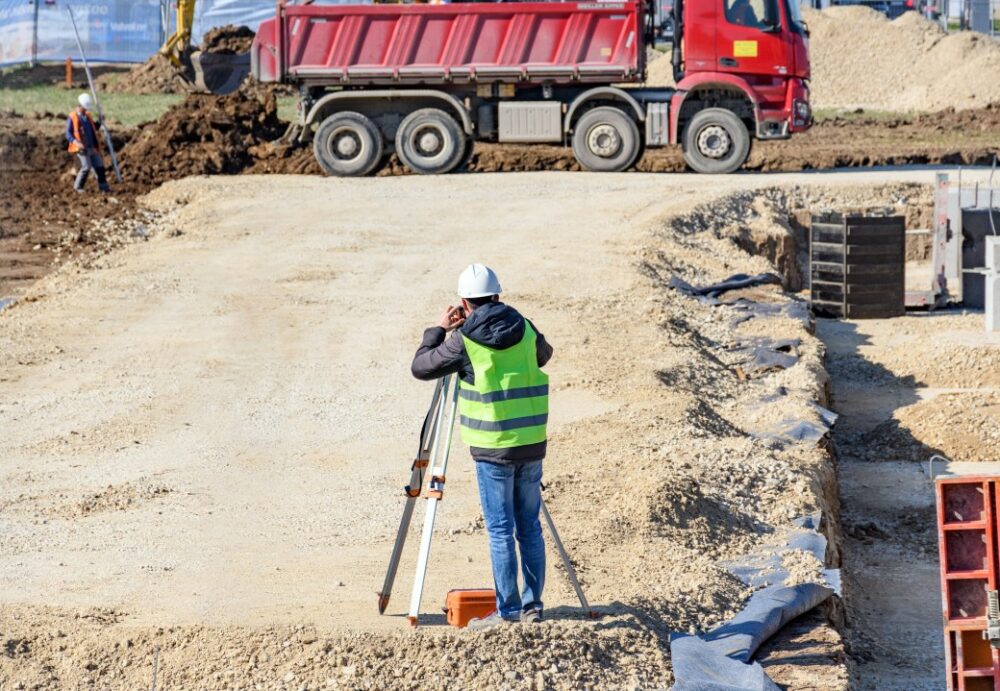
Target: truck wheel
[[429, 142], [348, 144], [716, 141], [606, 140]]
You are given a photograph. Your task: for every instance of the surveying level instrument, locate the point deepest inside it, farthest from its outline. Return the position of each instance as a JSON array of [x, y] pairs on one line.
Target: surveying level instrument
[[431, 464]]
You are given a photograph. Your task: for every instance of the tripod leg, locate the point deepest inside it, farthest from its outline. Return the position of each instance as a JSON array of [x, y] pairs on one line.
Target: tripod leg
[[570, 571], [435, 492], [412, 491]]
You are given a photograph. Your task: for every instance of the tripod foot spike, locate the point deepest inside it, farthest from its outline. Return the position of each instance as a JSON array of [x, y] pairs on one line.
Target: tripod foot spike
[[383, 602], [413, 622]]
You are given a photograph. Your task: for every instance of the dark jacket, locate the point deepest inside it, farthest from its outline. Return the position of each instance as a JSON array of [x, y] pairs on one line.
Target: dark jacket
[[495, 325], [87, 133]]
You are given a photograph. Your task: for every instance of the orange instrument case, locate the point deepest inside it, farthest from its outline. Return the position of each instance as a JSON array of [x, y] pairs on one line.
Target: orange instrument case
[[462, 605]]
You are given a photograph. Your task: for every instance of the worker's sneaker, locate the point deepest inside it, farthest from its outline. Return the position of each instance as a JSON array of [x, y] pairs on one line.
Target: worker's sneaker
[[532, 616], [488, 622]]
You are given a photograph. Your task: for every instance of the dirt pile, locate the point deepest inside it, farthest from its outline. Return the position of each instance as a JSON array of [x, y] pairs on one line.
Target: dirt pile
[[909, 64], [158, 76], [204, 135], [155, 76], [229, 40]]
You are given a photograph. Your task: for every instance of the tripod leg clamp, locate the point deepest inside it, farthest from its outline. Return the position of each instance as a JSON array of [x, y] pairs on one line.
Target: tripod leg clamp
[[435, 488]]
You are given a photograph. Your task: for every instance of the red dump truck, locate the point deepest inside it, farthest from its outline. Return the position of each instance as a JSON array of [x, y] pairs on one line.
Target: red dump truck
[[426, 81]]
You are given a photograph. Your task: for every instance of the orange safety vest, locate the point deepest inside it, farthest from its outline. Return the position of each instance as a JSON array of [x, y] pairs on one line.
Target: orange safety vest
[[74, 147]]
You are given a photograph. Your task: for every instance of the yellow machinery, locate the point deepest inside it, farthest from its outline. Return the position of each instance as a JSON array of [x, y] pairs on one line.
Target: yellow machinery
[[211, 72]]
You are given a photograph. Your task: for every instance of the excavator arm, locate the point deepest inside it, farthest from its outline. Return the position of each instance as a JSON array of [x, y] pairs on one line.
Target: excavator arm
[[217, 73], [179, 43]]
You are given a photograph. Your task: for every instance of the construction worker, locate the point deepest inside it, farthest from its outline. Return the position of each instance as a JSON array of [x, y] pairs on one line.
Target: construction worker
[[503, 410], [84, 141]]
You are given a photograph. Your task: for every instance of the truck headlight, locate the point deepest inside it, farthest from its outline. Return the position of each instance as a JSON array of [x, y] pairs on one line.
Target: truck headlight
[[802, 110]]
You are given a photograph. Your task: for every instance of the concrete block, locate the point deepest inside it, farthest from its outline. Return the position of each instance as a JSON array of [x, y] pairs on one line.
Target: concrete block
[[993, 254], [993, 302]]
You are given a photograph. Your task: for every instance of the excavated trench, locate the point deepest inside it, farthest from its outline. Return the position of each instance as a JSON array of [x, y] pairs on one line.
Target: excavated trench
[[904, 389]]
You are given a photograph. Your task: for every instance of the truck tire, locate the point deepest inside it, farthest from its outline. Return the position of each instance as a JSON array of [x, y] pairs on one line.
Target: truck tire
[[606, 140], [716, 141], [429, 142], [348, 144]]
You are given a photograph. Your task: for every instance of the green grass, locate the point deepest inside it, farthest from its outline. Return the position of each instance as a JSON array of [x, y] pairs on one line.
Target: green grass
[[128, 109]]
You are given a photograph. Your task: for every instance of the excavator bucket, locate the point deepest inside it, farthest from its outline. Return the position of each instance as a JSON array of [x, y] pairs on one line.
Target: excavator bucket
[[219, 73]]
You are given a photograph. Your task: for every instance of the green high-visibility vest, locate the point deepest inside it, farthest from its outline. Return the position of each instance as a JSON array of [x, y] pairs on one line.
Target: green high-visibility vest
[[509, 403]]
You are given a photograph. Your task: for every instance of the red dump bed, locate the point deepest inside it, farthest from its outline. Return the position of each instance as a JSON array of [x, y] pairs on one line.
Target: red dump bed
[[558, 42]]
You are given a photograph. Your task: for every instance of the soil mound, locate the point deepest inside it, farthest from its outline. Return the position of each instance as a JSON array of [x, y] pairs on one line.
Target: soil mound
[[910, 64], [204, 135], [158, 76], [155, 76], [228, 39]]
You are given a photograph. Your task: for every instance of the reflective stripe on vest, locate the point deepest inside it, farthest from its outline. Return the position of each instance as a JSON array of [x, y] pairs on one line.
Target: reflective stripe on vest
[[508, 405], [75, 118]]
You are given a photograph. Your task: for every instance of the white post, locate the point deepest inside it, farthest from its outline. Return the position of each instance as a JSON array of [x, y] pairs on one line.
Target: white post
[[992, 282]]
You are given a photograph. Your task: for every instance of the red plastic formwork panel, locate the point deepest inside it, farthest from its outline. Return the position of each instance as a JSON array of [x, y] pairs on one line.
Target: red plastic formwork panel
[[967, 543], [464, 42], [972, 663]]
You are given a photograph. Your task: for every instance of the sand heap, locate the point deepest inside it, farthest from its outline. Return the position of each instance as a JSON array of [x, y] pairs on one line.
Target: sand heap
[[860, 59]]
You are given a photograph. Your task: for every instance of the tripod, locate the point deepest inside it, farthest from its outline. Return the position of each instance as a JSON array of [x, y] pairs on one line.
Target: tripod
[[432, 457]]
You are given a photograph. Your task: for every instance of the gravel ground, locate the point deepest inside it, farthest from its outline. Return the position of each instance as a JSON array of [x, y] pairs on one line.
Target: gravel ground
[[204, 430]]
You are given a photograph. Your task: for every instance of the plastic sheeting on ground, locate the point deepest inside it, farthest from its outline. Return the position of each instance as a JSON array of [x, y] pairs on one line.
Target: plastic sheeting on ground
[[720, 660], [794, 309], [796, 430], [709, 294], [765, 355]]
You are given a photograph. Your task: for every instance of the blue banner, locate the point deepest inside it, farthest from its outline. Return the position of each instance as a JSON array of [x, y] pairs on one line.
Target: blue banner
[[115, 30], [110, 31]]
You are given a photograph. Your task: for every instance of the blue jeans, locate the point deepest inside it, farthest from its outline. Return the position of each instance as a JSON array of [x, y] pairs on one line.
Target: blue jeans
[[512, 497]]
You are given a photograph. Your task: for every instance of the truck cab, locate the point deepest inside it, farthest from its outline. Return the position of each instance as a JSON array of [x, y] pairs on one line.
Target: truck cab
[[737, 59]]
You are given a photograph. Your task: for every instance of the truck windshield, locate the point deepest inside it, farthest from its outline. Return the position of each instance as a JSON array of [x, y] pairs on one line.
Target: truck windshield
[[794, 12]]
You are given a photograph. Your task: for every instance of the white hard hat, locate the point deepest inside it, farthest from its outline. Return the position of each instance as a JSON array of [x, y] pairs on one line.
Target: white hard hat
[[478, 281], [85, 101]]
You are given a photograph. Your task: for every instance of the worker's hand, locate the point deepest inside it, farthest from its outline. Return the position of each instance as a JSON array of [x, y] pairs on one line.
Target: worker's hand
[[452, 318]]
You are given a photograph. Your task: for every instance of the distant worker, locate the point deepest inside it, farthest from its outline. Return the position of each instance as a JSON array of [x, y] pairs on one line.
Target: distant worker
[[503, 409], [84, 141]]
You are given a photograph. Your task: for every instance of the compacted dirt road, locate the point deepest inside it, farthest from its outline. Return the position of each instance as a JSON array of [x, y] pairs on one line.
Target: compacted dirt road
[[237, 400], [209, 429]]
